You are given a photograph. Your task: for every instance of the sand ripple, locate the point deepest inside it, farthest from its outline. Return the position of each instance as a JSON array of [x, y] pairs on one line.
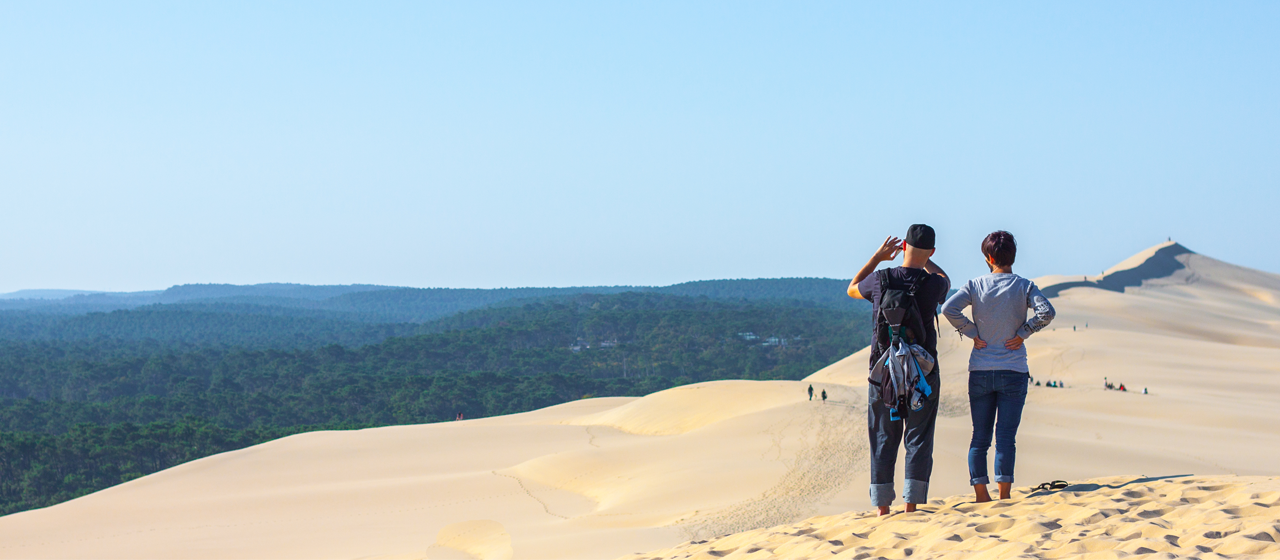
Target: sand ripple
[[1157, 517]]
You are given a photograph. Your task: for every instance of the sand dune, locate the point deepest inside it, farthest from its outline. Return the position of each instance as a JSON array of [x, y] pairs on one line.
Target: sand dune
[[1164, 517], [601, 478]]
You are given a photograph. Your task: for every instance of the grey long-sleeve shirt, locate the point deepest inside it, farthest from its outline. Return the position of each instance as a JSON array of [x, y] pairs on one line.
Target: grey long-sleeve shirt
[[1000, 303]]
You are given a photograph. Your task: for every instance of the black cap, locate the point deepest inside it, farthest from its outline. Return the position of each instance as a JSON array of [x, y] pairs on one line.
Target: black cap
[[920, 236]]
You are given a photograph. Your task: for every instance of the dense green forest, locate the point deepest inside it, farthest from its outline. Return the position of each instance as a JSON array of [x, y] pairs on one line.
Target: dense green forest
[[78, 414], [203, 325], [388, 304]]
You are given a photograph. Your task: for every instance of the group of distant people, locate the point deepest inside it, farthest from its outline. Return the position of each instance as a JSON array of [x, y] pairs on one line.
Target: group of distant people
[[904, 383], [824, 394], [1120, 387], [1053, 384]]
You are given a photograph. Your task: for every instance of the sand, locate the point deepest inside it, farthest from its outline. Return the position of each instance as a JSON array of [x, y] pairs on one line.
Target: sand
[[603, 478], [1117, 517]]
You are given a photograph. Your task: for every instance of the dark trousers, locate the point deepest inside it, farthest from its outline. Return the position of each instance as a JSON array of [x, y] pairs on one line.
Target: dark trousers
[[996, 399], [915, 432]]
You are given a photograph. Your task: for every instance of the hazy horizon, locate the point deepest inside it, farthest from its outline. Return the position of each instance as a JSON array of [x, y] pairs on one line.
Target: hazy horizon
[[161, 289], [88, 291]]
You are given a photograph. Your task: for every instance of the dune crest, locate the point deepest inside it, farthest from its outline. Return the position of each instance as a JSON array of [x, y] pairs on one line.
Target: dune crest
[[1158, 262], [1207, 517], [683, 409]]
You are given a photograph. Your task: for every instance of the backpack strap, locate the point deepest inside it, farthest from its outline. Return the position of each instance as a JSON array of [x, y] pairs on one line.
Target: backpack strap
[[915, 285], [882, 280]]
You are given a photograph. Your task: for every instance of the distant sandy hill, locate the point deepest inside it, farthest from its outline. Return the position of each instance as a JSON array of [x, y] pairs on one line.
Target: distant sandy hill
[[602, 478]]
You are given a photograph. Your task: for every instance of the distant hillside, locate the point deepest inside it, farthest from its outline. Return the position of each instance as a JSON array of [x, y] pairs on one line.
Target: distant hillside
[[419, 305], [187, 292], [44, 294], [825, 291], [301, 316], [80, 303]]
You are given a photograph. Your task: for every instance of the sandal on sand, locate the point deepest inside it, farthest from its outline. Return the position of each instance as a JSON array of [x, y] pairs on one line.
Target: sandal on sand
[[1055, 485]]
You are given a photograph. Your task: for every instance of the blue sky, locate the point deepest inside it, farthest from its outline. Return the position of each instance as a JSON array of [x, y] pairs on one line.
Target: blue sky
[[472, 144]]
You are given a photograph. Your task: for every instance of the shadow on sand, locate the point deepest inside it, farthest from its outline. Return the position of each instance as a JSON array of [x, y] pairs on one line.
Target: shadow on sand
[[1160, 265], [1095, 487]]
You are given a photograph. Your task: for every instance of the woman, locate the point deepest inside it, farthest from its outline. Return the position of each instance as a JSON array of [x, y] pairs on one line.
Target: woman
[[998, 375]]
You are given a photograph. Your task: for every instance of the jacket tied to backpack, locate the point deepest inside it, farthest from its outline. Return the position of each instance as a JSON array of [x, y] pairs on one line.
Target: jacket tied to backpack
[[900, 370], [900, 374]]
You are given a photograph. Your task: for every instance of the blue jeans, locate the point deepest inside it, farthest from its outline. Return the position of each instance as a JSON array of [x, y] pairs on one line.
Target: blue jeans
[[995, 401]]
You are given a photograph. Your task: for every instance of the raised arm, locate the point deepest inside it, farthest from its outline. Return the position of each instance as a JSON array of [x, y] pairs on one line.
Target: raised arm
[[888, 251], [933, 268], [1044, 313]]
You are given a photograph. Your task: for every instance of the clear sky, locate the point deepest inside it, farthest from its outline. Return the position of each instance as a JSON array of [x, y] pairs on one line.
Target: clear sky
[[480, 144]]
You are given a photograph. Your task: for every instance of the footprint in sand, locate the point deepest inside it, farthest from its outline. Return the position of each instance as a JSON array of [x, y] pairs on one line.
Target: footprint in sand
[[482, 539], [994, 526], [830, 448]]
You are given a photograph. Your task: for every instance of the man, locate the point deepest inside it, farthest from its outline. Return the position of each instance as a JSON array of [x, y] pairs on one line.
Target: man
[[884, 430]]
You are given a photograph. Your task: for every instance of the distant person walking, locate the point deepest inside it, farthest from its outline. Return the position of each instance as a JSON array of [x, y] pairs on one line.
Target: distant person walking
[[998, 372], [811, 392], [824, 396], [923, 284]]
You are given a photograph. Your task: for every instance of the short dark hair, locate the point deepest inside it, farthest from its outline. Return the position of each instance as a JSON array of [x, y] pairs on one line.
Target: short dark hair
[[1001, 247]]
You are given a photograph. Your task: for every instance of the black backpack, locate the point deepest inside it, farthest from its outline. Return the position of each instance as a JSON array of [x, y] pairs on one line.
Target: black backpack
[[898, 315]]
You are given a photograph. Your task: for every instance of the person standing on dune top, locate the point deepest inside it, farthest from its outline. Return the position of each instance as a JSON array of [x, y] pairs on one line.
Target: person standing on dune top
[[998, 370], [924, 282]]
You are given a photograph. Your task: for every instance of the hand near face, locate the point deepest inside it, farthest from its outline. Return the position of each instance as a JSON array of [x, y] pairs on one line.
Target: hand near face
[[889, 250]]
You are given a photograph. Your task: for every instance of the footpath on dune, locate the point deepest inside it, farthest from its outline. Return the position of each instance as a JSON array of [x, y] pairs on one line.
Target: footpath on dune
[[1111, 518]]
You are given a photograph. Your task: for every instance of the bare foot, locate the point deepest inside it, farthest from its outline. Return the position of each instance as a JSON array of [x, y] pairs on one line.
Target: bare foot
[[1005, 487], [981, 491], [884, 510], [911, 507]]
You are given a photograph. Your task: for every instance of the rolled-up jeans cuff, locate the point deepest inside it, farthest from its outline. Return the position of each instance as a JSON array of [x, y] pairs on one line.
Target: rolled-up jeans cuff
[[979, 480], [916, 492], [1004, 478], [882, 494]]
